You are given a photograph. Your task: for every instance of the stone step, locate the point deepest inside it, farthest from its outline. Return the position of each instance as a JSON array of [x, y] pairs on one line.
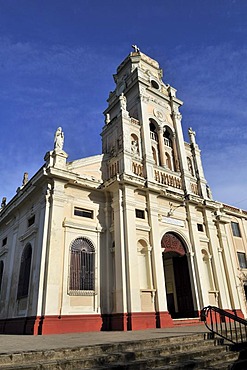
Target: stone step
[[97, 350], [182, 352]]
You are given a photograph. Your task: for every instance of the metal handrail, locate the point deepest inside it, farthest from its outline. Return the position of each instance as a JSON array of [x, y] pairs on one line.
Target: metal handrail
[[225, 324]]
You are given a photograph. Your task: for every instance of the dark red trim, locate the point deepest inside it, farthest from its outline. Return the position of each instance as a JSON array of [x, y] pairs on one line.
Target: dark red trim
[[163, 320], [93, 323], [141, 320], [69, 324], [119, 321], [51, 324], [237, 312]]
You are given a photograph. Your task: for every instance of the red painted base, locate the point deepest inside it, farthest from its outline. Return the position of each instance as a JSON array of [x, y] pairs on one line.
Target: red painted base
[[163, 320], [118, 322], [70, 324], [217, 317], [93, 323], [238, 313], [141, 320], [51, 324]]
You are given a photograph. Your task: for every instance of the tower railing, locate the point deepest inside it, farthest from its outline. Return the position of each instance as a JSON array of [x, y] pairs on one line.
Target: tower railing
[[225, 324]]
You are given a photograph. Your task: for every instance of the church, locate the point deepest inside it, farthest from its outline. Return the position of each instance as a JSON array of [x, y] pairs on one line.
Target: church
[[128, 239]]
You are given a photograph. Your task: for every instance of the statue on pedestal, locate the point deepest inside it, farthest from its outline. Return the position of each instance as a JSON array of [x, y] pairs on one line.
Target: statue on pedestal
[[59, 139], [192, 136], [123, 102]]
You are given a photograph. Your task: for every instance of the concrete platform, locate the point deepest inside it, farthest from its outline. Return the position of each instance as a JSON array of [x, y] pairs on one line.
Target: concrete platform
[[24, 343]]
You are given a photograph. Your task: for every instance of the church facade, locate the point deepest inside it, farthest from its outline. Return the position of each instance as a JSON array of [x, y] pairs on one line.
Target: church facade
[[126, 240]]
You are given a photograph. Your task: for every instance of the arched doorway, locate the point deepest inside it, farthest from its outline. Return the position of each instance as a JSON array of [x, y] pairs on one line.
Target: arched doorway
[[177, 278]]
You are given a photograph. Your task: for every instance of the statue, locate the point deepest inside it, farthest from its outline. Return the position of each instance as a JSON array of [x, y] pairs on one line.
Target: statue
[[134, 147], [190, 167], [123, 102], [25, 179], [3, 204], [107, 118], [192, 136], [59, 139], [209, 192]]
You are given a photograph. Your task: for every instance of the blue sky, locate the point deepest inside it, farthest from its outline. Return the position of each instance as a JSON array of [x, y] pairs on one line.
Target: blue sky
[[57, 59]]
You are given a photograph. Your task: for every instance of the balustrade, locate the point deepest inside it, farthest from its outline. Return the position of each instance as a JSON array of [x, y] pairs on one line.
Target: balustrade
[[153, 136], [137, 168], [167, 179], [113, 169]]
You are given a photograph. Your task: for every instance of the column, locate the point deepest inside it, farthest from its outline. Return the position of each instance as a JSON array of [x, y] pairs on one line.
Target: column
[[119, 316], [161, 147], [175, 153]]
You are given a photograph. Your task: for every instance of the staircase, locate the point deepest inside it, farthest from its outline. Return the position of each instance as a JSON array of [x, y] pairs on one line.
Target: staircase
[[196, 351]]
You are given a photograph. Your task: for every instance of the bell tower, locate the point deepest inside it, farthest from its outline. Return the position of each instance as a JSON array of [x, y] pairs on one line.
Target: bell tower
[[145, 162], [143, 134]]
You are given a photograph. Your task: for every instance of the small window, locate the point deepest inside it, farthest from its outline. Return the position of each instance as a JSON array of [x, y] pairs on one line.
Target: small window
[[200, 227], [242, 260], [31, 221], [236, 229], [140, 213], [81, 212], [4, 242], [154, 84]]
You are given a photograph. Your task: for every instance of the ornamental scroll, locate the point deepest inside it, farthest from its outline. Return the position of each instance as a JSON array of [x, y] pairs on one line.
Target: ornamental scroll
[[171, 243]]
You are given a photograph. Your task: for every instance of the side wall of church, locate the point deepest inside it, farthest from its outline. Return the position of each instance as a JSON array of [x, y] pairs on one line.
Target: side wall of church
[[22, 231]]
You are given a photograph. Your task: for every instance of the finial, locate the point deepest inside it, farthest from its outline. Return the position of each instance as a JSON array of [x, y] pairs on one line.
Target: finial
[[135, 47]]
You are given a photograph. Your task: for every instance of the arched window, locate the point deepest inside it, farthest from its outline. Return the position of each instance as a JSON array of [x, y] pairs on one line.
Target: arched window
[[82, 265], [167, 138], [153, 130], [1, 274], [25, 269]]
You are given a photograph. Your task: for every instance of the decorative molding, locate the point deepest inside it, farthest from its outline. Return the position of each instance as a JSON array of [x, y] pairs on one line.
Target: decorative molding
[[171, 221], [76, 225], [33, 230], [4, 250]]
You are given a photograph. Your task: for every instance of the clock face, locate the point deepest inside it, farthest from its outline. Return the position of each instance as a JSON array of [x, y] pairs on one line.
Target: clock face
[[158, 114]]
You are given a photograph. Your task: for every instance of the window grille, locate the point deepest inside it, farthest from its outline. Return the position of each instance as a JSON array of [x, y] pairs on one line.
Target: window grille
[[82, 265], [25, 269]]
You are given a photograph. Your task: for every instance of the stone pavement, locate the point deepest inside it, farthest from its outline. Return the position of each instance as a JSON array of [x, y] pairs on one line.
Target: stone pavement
[[25, 343]]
